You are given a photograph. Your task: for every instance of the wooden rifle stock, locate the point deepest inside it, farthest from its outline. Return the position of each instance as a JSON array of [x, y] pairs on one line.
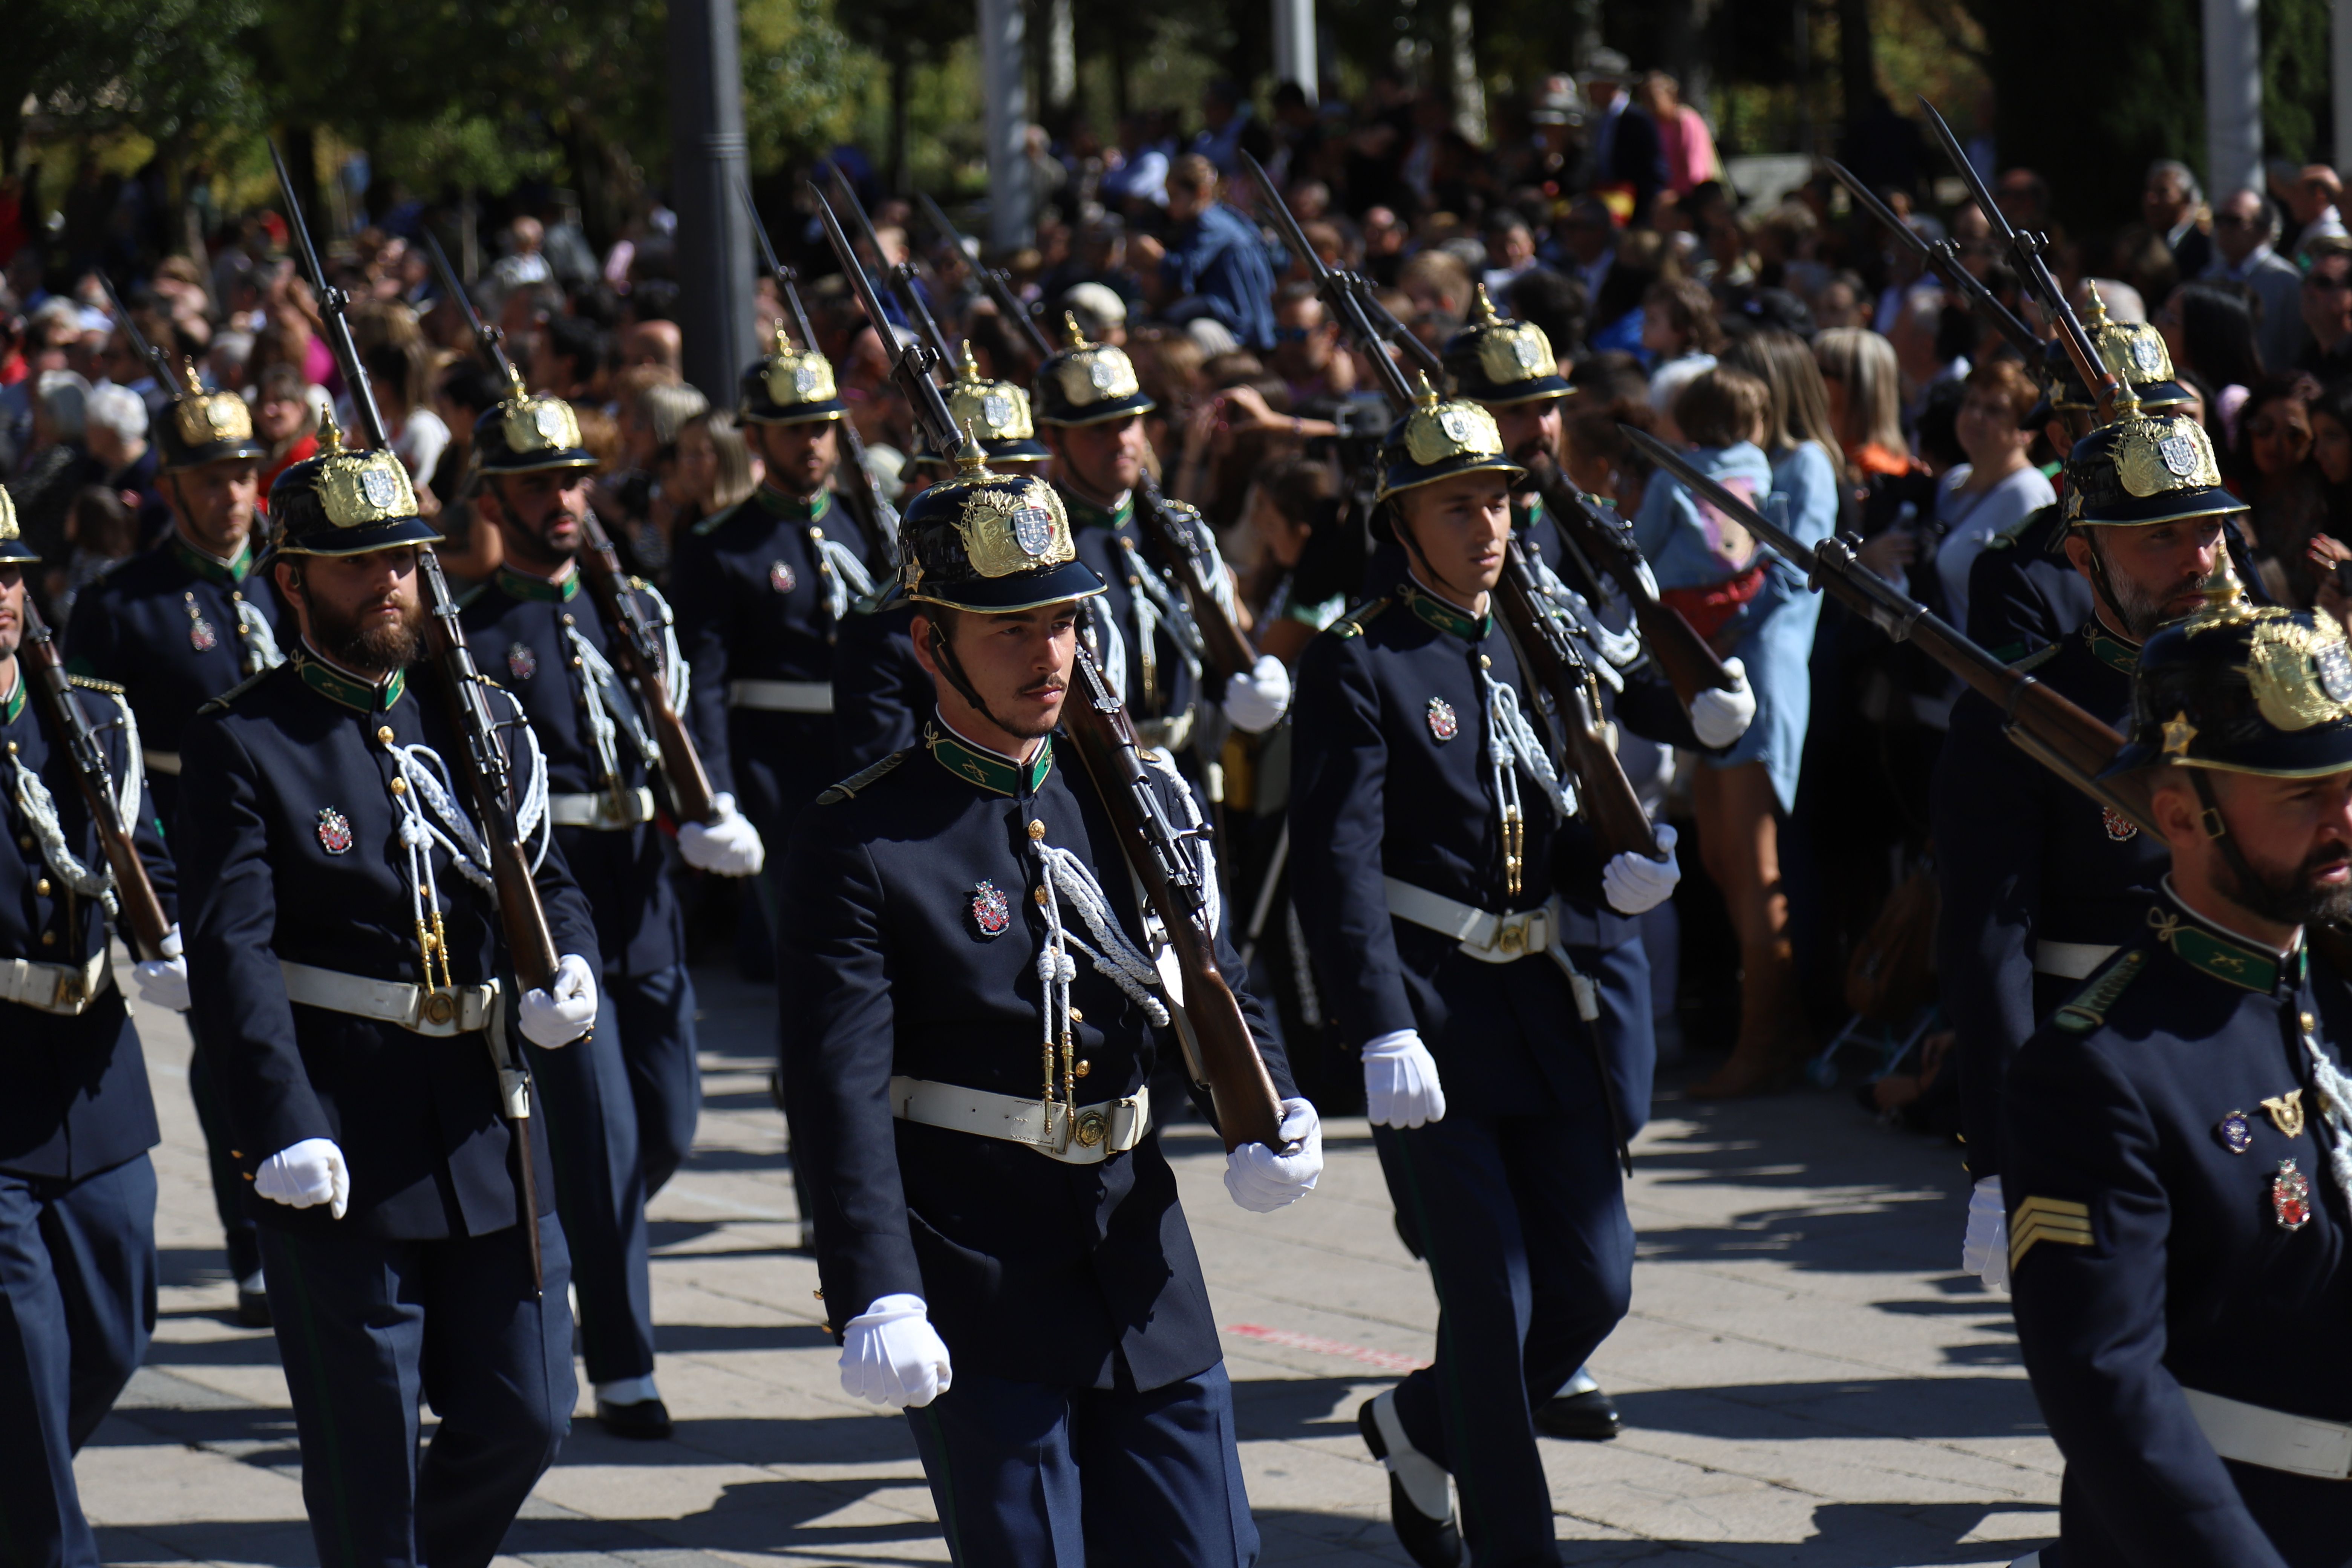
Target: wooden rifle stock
[[1682, 656], [1619, 826], [142, 912], [638, 655], [1220, 1052], [1225, 650]]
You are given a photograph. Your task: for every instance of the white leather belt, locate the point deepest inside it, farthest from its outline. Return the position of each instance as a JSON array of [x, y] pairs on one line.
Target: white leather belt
[[64, 989], [164, 763], [2070, 960], [442, 1014], [2252, 1434], [781, 696], [599, 810], [1087, 1137], [1487, 937]]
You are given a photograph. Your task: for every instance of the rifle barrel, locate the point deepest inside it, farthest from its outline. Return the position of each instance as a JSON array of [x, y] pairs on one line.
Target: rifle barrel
[[911, 374], [1944, 262]]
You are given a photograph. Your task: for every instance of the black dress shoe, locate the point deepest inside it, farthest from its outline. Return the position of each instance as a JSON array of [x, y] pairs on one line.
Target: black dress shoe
[[1430, 1542], [646, 1419], [252, 1308], [1589, 1416]]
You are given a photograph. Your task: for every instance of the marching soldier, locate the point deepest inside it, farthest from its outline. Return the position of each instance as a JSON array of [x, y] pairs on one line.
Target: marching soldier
[[2040, 883], [76, 1192], [762, 590], [346, 958], [175, 627], [621, 1105], [1436, 843], [1091, 408], [881, 695], [2177, 1139], [1004, 1259]]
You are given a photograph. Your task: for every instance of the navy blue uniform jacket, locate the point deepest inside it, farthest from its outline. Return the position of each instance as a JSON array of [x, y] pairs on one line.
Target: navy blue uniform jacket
[[73, 1091], [750, 587], [881, 695], [2177, 1273], [1375, 793], [516, 627], [1032, 1269], [2023, 856], [417, 1118]]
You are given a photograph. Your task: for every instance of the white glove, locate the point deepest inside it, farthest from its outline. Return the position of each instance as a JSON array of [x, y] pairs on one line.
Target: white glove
[[565, 1010], [1720, 718], [1401, 1086], [726, 845], [1636, 884], [309, 1174], [1985, 1252], [1255, 703], [164, 981], [1262, 1180], [893, 1356]]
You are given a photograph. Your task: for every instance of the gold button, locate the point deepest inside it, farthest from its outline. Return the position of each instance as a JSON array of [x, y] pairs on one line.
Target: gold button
[[236, 1153], [385, 734], [244, 630], [1037, 830], [1040, 890], [41, 891], [49, 939], [1077, 1016], [400, 786], [248, 1175], [12, 748], [1485, 663], [818, 1294], [568, 620], [1082, 1070], [2308, 1021], [26, 842], [817, 533]]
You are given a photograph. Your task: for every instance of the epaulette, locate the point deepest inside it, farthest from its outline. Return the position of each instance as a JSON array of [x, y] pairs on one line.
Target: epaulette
[[711, 523], [847, 788], [465, 601], [2089, 1008], [1351, 623], [221, 704], [92, 683], [2035, 660]]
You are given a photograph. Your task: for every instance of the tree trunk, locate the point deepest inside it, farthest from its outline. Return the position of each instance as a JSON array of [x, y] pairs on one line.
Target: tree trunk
[[902, 88], [1855, 69], [302, 168]]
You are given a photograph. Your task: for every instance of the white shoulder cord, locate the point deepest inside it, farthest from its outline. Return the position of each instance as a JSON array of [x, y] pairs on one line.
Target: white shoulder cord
[[1108, 643], [609, 707], [1160, 763], [676, 675], [260, 643], [1519, 750], [1156, 602], [2336, 1111], [1117, 960], [1618, 651], [40, 809], [844, 575]]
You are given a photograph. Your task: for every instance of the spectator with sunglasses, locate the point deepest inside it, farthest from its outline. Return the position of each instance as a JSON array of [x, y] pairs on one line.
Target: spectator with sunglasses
[[2327, 310]]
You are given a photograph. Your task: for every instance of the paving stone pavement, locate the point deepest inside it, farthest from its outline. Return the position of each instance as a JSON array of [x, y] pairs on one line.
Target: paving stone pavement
[[1806, 1378]]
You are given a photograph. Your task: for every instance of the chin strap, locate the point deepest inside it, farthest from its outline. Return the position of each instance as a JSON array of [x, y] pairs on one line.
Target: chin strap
[[953, 668], [1413, 548], [2209, 817]]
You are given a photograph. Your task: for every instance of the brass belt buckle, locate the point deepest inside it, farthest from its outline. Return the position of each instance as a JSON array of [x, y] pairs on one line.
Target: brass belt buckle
[[440, 1007], [1092, 1127], [1513, 939]]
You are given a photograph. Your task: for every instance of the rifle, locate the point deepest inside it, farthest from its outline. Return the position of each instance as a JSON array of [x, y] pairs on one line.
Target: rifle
[[912, 365], [487, 768], [994, 279], [1944, 260], [142, 911], [1689, 665], [637, 653], [882, 533], [2027, 248], [1182, 553], [1220, 1053], [1619, 823], [2048, 728], [902, 274], [156, 361]]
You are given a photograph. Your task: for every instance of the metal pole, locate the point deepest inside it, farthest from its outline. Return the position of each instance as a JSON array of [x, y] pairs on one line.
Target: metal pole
[[1294, 45], [1061, 59], [2340, 55], [707, 161], [2233, 96], [1002, 38], [1469, 93]]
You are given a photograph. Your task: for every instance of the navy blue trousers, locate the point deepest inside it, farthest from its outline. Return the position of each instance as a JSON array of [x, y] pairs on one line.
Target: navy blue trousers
[[1028, 1473], [369, 1331], [230, 1185], [654, 1017], [77, 1306], [1522, 1220]]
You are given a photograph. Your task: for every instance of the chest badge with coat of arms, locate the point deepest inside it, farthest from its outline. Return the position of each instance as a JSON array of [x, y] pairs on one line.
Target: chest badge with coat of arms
[[780, 577], [2119, 827], [1442, 722], [990, 911], [521, 663], [334, 831]]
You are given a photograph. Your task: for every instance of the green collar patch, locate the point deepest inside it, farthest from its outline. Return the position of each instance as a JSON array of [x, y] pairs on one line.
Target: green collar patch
[[2111, 650], [228, 576], [2229, 958], [1446, 617], [1085, 514], [349, 690], [990, 769], [2089, 1008], [775, 504], [15, 705], [537, 590]]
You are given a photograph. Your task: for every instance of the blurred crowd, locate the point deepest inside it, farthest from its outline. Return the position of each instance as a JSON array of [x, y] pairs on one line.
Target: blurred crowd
[[1781, 334]]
